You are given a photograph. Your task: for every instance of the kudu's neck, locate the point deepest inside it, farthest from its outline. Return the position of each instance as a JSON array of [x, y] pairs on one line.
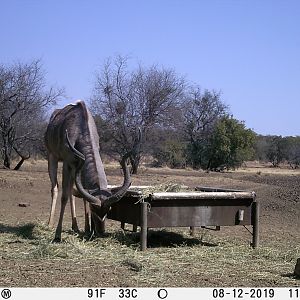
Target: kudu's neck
[[93, 174]]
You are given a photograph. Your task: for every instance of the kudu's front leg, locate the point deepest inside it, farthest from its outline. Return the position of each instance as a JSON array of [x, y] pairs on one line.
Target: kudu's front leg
[[67, 184], [73, 212], [87, 216]]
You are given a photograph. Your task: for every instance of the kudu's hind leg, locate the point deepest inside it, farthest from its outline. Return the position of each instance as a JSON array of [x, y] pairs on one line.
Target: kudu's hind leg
[[67, 185], [52, 170]]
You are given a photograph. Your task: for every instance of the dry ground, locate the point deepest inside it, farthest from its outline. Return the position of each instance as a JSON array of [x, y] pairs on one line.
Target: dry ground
[[211, 258]]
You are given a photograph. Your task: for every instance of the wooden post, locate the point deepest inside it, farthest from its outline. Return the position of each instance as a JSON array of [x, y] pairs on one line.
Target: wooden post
[[297, 269], [143, 234], [134, 228], [123, 225], [192, 230], [102, 227], [255, 211]]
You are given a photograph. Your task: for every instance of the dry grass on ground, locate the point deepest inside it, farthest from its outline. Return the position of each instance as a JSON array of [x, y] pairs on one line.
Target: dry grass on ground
[[174, 258]]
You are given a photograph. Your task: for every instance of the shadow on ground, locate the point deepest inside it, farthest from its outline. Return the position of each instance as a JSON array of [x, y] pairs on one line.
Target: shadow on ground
[[24, 231], [156, 239], [161, 238]]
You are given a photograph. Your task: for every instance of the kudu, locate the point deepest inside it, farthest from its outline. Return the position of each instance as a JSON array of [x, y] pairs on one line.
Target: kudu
[[71, 137]]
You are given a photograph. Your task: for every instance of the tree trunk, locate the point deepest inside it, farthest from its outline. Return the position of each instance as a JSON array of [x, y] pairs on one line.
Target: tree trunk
[[208, 167], [20, 163], [23, 158], [135, 162], [6, 159]]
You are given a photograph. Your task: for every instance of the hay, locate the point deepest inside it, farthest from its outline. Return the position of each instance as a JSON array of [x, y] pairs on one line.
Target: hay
[[168, 186], [174, 258]]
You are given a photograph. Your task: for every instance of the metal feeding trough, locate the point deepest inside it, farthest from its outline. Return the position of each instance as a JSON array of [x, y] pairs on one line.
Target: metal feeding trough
[[203, 207]]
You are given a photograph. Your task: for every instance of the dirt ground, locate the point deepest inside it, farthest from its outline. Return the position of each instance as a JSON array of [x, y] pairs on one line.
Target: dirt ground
[[278, 193]]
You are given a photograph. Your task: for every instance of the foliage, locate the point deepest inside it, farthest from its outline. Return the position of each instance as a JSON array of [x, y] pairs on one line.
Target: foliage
[[292, 151], [261, 147], [178, 123], [277, 150], [166, 146], [230, 144], [171, 153]]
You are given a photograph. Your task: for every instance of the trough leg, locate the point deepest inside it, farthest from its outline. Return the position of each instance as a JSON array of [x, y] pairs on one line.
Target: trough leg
[[143, 234], [123, 225], [102, 227], [192, 230], [255, 237]]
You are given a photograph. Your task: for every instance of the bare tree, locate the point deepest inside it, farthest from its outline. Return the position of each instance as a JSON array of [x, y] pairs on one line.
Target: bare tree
[[201, 112], [128, 100], [23, 103]]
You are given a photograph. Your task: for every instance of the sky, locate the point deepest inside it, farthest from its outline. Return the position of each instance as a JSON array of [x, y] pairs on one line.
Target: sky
[[247, 50]]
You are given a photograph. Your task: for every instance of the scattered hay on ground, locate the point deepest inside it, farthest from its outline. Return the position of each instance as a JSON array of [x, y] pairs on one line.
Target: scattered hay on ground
[[173, 258]]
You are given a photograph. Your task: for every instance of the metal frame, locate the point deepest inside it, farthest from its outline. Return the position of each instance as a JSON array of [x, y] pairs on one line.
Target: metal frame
[[205, 207]]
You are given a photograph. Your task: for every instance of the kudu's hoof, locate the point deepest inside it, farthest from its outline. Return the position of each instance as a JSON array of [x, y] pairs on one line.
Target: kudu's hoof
[[75, 229], [56, 240]]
